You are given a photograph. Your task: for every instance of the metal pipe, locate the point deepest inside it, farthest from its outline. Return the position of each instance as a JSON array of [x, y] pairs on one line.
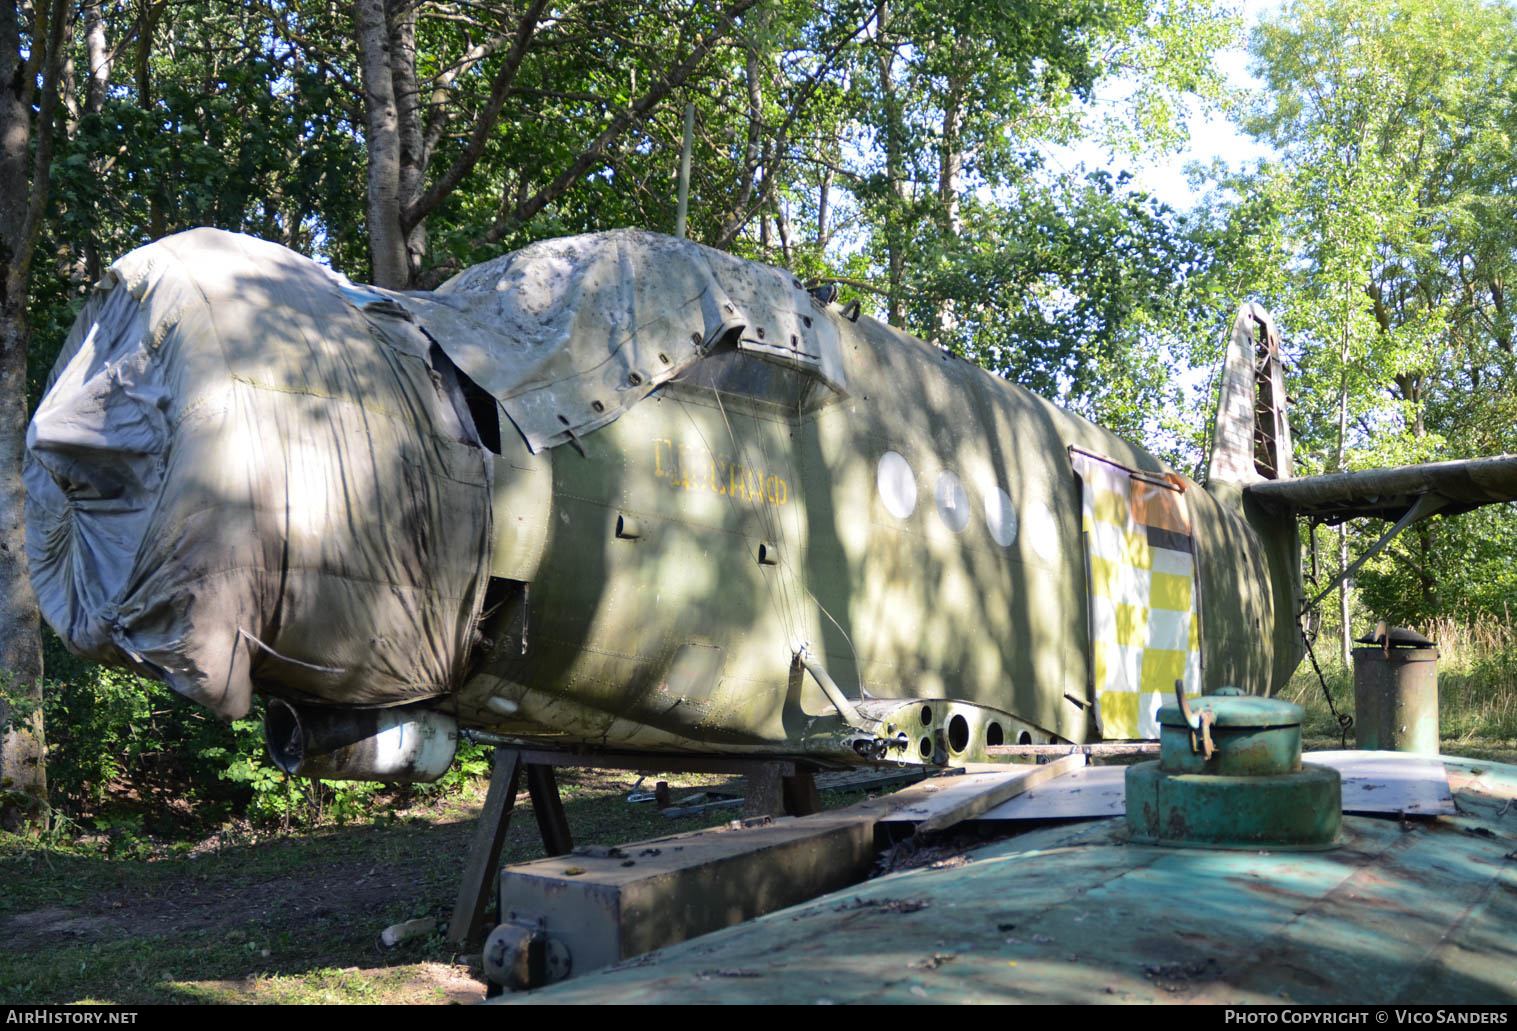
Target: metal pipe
[[1426, 505], [405, 744], [834, 693]]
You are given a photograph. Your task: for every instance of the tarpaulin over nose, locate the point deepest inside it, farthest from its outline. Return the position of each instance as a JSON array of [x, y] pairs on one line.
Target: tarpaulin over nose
[[243, 473]]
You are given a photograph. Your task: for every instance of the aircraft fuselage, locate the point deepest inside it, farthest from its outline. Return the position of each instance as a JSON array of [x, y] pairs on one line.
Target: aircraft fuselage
[[920, 534]]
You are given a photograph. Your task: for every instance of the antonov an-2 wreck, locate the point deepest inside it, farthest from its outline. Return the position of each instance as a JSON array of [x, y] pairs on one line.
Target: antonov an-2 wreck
[[626, 492]]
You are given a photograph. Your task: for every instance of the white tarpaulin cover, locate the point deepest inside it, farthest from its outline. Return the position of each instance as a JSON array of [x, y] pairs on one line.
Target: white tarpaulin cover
[[238, 476], [567, 334], [248, 471]]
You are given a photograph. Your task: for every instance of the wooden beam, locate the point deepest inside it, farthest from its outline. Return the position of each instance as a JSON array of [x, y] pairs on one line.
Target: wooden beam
[[466, 929]]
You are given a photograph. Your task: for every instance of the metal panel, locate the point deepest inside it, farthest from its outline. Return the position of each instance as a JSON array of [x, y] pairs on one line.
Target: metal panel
[[1389, 782]]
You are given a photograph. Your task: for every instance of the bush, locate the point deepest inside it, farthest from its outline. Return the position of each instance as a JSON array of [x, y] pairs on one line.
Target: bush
[[127, 756]]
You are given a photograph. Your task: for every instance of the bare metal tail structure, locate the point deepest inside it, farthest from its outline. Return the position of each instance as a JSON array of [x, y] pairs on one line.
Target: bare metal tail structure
[[1252, 441]]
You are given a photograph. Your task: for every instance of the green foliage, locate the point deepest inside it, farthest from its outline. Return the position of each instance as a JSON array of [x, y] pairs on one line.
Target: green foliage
[[128, 758], [1071, 296], [108, 728], [1381, 239]]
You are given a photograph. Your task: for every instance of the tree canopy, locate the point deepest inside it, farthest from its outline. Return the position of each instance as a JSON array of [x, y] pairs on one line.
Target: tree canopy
[[899, 148], [1390, 241]]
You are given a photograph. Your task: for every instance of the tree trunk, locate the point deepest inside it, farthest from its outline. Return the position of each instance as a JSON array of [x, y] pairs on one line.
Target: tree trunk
[[821, 210], [895, 244], [1346, 635], [99, 57], [147, 25], [24, 171], [86, 268], [950, 180], [23, 769], [387, 240], [413, 158]]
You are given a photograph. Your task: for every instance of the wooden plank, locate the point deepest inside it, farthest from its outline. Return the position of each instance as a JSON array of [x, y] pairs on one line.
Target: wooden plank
[[936, 804], [548, 807], [870, 779], [651, 763], [1097, 748], [801, 795], [763, 794], [1091, 792]]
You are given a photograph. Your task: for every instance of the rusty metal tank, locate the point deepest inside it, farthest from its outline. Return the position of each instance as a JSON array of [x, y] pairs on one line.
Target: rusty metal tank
[[1396, 692]]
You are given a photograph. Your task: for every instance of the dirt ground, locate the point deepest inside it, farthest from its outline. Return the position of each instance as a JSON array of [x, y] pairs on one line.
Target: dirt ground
[[268, 917]]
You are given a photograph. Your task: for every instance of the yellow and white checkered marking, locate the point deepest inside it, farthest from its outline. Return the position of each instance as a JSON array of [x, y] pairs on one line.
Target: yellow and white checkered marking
[[1145, 628]]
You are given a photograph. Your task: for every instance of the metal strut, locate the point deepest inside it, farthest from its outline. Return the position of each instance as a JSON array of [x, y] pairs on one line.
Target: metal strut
[[1427, 504], [834, 694]]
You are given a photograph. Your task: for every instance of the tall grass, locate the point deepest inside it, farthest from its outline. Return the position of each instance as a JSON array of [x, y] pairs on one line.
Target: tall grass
[[1477, 683]]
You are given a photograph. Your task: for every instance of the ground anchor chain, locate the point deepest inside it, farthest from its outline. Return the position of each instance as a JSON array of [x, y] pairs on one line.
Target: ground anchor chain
[[1345, 721]]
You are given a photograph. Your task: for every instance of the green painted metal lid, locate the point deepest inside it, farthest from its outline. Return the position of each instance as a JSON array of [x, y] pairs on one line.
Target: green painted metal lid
[[1237, 710]]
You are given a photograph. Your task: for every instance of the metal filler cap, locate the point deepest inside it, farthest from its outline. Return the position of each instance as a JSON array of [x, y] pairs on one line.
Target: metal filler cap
[[1230, 775]]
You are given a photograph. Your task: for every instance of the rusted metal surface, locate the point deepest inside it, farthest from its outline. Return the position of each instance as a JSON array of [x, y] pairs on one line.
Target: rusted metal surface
[[1229, 775], [1407, 911], [1249, 736], [1396, 699], [1295, 810]]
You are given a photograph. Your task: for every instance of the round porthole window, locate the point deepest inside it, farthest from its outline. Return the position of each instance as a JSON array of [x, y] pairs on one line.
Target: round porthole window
[[1000, 517], [897, 485]]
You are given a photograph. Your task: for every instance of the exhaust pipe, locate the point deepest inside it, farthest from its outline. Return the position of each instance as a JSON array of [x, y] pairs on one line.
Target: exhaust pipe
[[403, 745]]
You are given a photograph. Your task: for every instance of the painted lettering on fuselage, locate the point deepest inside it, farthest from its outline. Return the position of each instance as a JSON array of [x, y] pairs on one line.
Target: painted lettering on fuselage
[[694, 468]]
